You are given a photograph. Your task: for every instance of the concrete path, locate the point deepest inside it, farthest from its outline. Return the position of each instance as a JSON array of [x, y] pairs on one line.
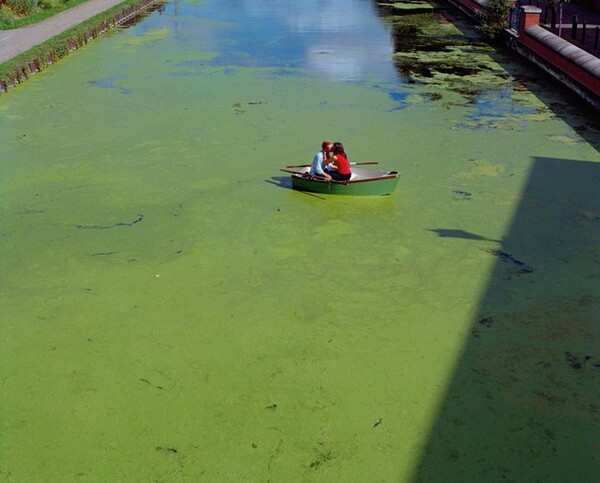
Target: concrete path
[[16, 41]]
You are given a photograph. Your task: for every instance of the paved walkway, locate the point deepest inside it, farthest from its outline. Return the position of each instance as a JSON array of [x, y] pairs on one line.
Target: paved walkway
[[16, 41]]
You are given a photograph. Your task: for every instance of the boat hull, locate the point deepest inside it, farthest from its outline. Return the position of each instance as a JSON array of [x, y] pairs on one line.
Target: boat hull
[[364, 183]]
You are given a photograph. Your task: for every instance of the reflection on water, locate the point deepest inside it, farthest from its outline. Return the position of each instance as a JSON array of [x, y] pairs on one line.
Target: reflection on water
[[312, 34], [171, 306]]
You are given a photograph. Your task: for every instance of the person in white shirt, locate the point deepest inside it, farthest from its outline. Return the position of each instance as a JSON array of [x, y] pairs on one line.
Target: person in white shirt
[[320, 160]]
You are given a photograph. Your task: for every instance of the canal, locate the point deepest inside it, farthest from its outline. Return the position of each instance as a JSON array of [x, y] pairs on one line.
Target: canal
[[173, 311]]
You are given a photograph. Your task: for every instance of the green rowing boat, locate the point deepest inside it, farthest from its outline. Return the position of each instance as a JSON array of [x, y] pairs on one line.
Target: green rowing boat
[[364, 182]]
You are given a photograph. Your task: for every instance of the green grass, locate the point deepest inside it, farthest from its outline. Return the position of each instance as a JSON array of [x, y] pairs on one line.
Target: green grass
[[19, 13]]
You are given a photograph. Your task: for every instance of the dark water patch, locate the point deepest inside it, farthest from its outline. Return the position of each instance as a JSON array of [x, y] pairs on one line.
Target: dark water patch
[[103, 254], [322, 457], [581, 361], [398, 96], [401, 100], [492, 105], [146, 381], [461, 195], [423, 67], [114, 225], [166, 450], [192, 63], [486, 321], [239, 108], [411, 37], [587, 218], [30, 212], [180, 74], [588, 300], [109, 83], [287, 73], [522, 267]]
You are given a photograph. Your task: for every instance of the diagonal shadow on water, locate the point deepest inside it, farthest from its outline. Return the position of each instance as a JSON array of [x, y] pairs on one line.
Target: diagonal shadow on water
[[522, 403], [465, 235]]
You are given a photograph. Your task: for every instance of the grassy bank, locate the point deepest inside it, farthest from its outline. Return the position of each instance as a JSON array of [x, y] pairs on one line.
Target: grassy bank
[[21, 67]]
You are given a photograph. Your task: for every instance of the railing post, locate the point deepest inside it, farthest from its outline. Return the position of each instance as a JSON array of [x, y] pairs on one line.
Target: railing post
[[574, 27], [528, 16]]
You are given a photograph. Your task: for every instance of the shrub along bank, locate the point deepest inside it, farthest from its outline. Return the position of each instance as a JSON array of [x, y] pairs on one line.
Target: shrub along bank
[[19, 13]]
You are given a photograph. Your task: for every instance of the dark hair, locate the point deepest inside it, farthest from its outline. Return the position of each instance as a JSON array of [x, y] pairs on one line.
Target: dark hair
[[338, 148]]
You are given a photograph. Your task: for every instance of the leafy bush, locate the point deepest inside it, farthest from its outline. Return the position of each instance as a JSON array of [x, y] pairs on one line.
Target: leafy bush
[[7, 17], [23, 7], [38, 10], [52, 4], [495, 18]]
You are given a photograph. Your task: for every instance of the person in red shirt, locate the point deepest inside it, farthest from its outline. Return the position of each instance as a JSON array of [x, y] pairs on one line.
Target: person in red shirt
[[339, 167]]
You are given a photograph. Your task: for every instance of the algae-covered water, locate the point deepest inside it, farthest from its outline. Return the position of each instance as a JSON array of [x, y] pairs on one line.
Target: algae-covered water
[[173, 311]]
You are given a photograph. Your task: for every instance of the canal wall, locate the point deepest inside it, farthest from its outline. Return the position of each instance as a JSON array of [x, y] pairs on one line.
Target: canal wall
[[37, 59], [572, 66]]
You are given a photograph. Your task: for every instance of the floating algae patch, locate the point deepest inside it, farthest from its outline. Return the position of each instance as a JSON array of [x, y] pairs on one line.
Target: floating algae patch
[[480, 167], [456, 68], [464, 69], [449, 58], [148, 36], [572, 139]]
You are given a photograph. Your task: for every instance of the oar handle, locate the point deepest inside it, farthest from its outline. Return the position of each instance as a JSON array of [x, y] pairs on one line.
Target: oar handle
[[351, 164]]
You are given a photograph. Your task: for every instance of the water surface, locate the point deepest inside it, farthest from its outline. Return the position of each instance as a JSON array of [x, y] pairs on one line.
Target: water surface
[[173, 311]]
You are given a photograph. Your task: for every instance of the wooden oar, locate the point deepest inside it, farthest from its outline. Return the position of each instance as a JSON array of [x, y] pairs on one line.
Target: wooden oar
[[290, 171], [351, 164]]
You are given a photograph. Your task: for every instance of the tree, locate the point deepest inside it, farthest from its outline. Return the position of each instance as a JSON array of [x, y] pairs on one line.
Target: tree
[[494, 18]]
